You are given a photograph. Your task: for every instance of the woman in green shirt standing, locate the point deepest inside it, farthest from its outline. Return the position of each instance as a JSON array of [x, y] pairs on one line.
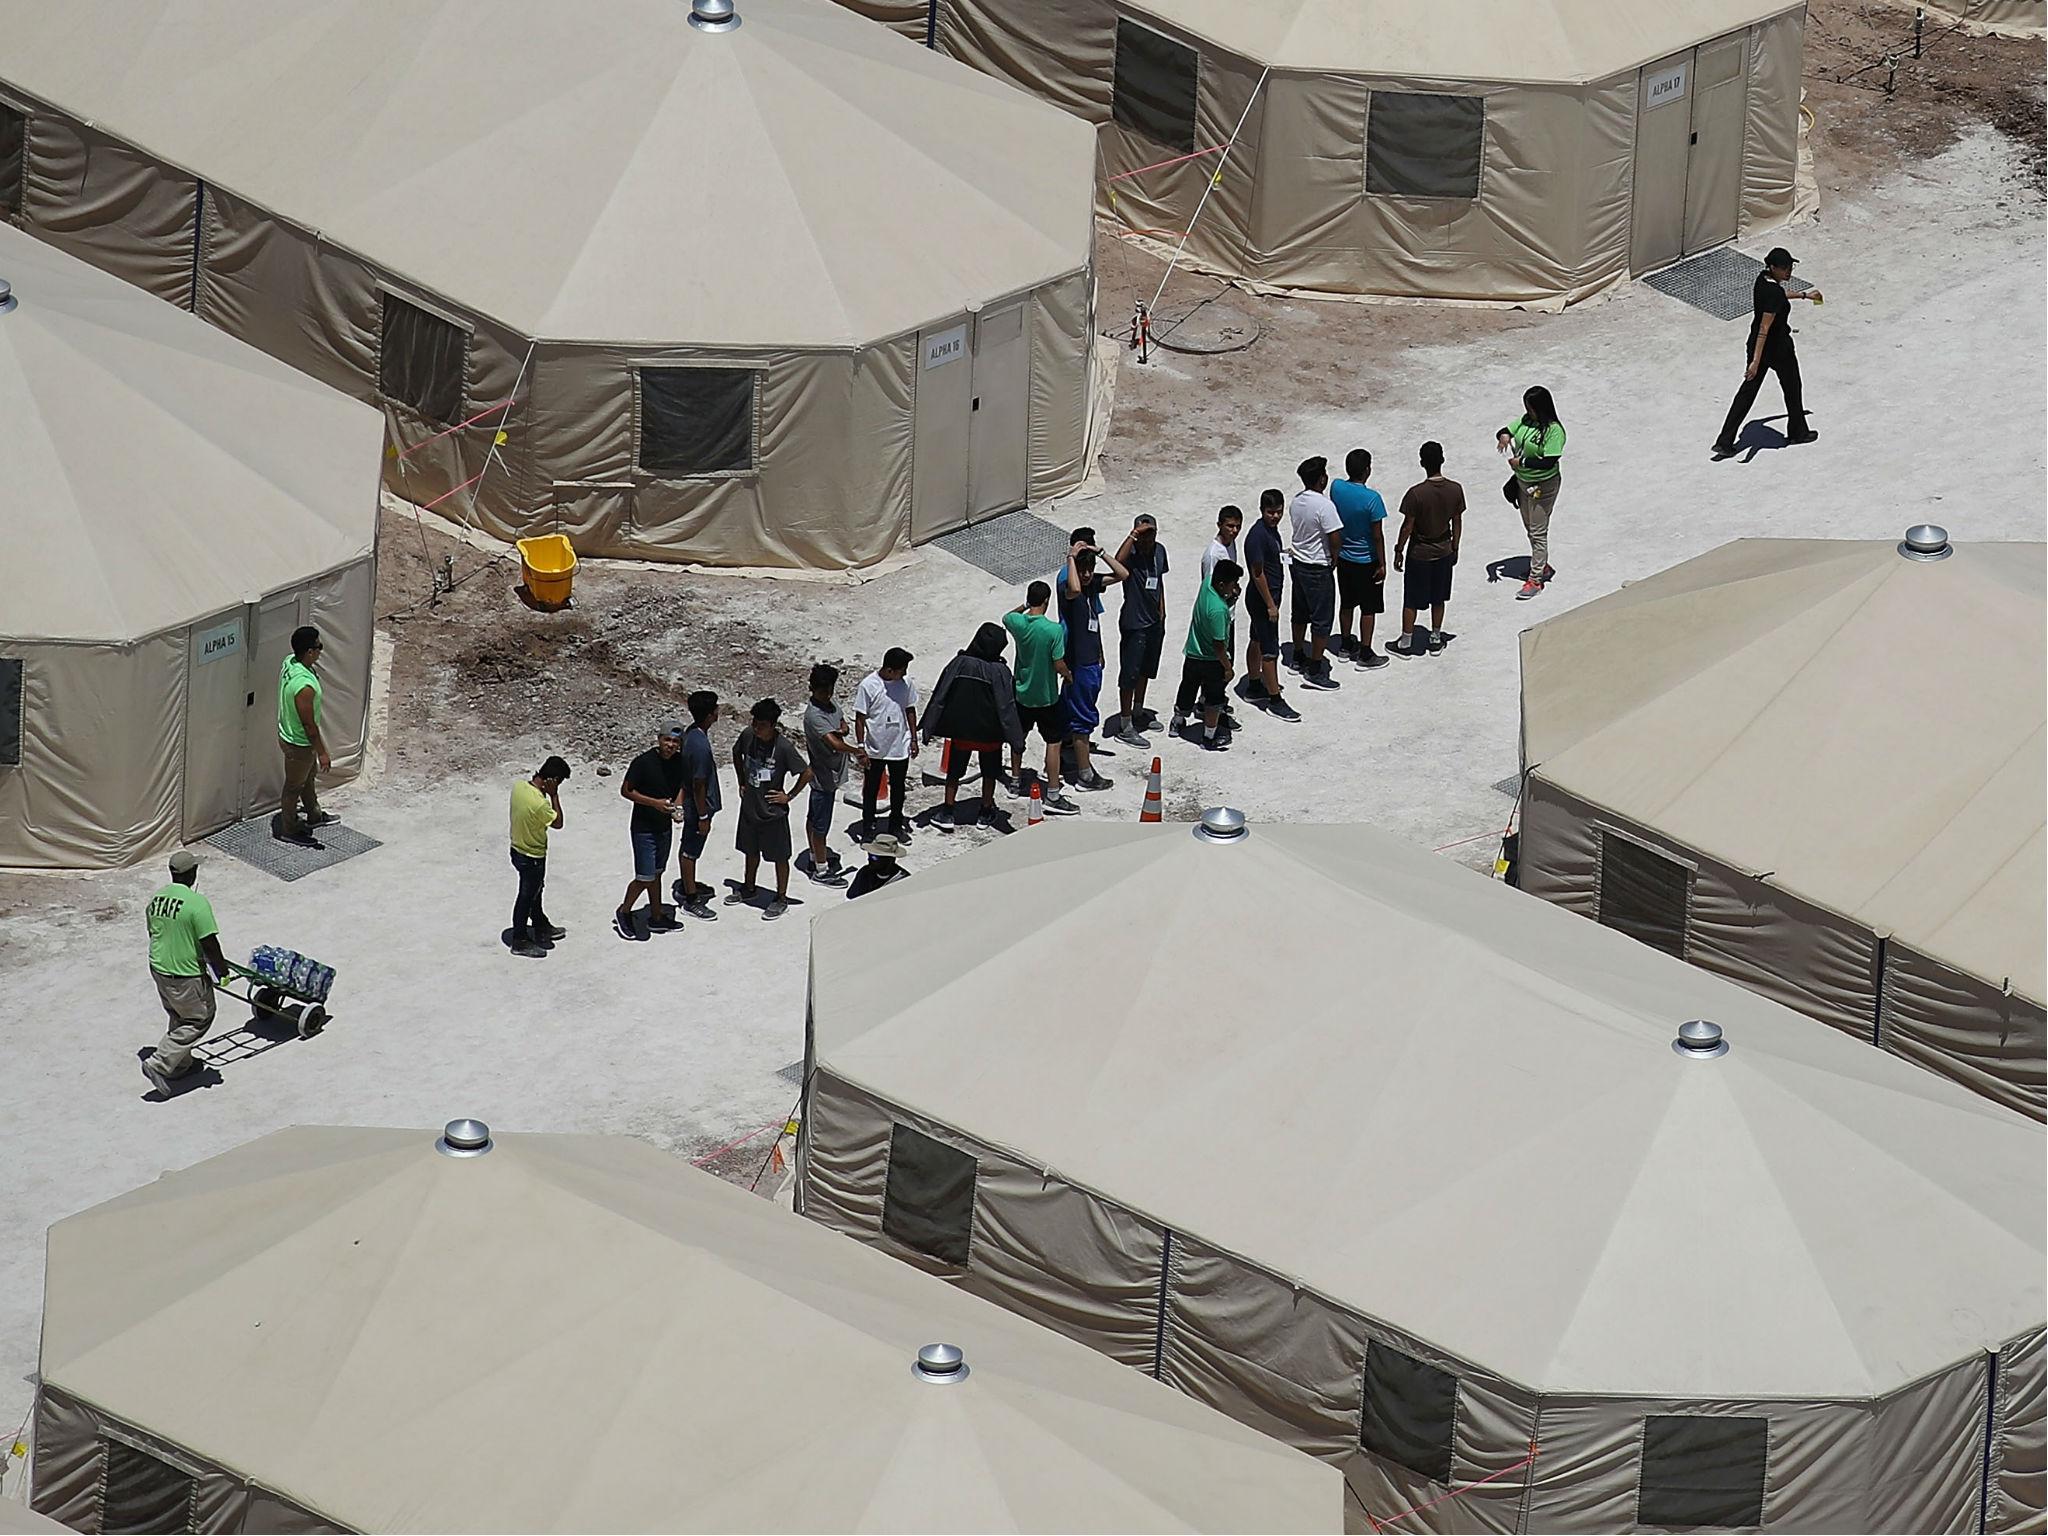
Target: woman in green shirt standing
[[1535, 449]]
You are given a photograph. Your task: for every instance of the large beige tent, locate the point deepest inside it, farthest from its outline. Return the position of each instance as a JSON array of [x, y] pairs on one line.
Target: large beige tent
[[2010, 18], [176, 504], [1411, 1173], [334, 1329], [1448, 149], [789, 293], [1817, 767]]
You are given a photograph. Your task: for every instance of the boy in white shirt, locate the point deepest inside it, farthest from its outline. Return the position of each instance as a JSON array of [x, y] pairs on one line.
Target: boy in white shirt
[[885, 725], [1229, 522]]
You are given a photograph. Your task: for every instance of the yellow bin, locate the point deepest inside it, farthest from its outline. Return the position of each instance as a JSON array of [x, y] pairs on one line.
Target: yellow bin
[[549, 567]]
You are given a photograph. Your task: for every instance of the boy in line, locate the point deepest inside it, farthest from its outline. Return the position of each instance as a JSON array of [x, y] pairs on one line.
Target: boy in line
[[536, 811], [825, 740], [1205, 669], [762, 758], [701, 802], [1432, 523], [1265, 560], [652, 783], [1040, 672], [885, 727]]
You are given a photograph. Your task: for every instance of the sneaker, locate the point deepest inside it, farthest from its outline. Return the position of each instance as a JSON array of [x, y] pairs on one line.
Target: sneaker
[[942, 818], [157, 1080], [1093, 781], [526, 949], [300, 839], [1280, 709], [1129, 737], [739, 895], [662, 920], [548, 933], [1251, 689], [1346, 645], [773, 910], [1220, 742], [323, 819], [1808, 436], [1057, 804], [700, 909], [1145, 719], [1370, 661], [677, 893], [1179, 726], [1436, 643], [625, 926], [1405, 647], [1322, 682], [1724, 451], [831, 877], [1529, 589]]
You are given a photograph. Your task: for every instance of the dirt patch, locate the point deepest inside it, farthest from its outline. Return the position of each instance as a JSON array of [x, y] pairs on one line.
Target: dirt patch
[[1862, 132], [476, 669]]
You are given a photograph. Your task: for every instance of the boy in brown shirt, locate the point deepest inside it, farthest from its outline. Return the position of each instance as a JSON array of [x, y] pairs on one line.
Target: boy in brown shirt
[[1432, 522]]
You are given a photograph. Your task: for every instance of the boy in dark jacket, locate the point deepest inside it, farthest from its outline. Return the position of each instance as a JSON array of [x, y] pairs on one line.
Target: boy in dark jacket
[[974, 706]]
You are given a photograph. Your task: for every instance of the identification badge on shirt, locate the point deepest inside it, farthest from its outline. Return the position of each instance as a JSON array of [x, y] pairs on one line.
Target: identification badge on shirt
[[1094, 623], [1151, 583], [762, 775]]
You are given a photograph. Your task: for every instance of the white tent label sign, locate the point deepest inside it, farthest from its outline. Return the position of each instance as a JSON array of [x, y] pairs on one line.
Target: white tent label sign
[[213, 644], [1666, 85], [946, 347]]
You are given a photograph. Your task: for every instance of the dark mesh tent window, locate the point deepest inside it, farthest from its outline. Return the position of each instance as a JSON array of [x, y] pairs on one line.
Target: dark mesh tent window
[[1643, 894], [142, 1493], [928, 1202], [13, 159], [1411, 1409], [1154, 92], [1419, 144], [1700, 1471], [696, 421], [421, 361], [11, 684]]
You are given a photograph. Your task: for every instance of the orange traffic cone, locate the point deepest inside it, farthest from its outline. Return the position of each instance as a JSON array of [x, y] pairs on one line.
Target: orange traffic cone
[[1155, 809], [1037, 805], [855, 784]]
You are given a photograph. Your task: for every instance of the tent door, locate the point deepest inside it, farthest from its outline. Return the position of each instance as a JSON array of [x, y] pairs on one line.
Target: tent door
[[1663, 145], [1713, 177], [216, 683], [943, 401], [272, 622], [1001, 435]]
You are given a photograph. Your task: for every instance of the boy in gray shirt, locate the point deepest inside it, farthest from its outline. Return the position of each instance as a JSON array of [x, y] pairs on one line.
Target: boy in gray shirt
[[825, 739]]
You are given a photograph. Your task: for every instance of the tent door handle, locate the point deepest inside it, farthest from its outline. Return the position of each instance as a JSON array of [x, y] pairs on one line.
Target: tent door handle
[[1694, 139], [977, 402], [250, 702]]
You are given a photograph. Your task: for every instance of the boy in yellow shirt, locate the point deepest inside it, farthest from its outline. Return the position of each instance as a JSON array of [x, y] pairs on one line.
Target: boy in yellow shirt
[[536, 811]]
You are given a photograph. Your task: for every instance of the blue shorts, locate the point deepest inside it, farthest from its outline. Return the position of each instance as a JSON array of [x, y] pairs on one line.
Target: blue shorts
[[818, 818], [650, 850], [1077, 700], [694, 834]]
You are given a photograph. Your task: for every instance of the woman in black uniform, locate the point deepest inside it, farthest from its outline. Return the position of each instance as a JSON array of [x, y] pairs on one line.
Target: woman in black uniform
[[1770, 351]]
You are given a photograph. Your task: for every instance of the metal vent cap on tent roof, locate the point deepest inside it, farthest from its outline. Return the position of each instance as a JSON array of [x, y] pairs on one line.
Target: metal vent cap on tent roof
[[940, 1363], [713, 15], [7, 298], [1926, 541], [1223, 824], [1699, 1038], [464, 1138]]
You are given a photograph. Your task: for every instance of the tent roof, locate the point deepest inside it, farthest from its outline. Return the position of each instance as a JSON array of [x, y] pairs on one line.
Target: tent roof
[[1536, 42], [581, 1333], [598, 173], [1446, 1105], [1866, 728], [158, 470]]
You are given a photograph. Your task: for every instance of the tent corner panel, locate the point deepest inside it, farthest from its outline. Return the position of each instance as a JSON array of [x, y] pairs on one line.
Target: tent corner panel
[[2016, 1486], [1985, 1037], [110, 205]]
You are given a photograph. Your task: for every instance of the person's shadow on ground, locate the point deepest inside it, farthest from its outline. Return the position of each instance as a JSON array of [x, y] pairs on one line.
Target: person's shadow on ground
[[1759, 436], [203, 1076]]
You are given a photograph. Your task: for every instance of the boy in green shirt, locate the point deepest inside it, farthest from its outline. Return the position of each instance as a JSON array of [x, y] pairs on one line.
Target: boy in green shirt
[[299, 738], [1041, 669], [1205, 672], [184, 943], [536, 811]]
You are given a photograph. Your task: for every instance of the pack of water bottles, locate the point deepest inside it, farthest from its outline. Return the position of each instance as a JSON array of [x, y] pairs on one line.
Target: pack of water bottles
[[290, 971]]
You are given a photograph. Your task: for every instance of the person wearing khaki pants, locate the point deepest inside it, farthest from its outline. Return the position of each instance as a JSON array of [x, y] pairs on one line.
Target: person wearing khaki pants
[[1534, 446], [299, 738], [184, 945]]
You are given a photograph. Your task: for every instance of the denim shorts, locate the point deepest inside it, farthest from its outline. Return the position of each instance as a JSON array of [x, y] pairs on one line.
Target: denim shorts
[[818, 816], [650, 850], [693, 835]]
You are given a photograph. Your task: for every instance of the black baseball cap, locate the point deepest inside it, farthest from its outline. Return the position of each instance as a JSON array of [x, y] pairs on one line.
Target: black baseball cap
[[1778, 256]]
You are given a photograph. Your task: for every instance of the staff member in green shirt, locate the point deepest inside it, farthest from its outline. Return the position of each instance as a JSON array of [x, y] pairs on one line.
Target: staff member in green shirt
[[299, 738], [1205, 668], [1535, 449], [184, 944]]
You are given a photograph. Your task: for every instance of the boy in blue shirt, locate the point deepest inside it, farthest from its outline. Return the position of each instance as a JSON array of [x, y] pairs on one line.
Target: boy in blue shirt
[[1361, 558]]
